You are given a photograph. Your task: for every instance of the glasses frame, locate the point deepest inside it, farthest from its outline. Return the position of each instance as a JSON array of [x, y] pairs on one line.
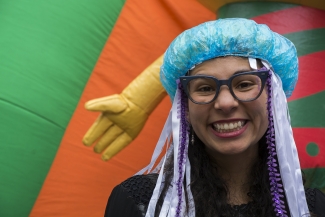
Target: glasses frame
[[262, 74]]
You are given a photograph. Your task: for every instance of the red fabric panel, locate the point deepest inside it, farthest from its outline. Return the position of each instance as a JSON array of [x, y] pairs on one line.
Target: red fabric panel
[[311, 75], [293, 19], [304, 136]]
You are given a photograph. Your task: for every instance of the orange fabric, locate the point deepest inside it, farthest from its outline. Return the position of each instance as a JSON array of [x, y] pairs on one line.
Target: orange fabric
[[79, 182]]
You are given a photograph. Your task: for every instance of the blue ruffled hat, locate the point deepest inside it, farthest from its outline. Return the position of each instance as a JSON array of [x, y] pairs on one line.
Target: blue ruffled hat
[[229, 37]]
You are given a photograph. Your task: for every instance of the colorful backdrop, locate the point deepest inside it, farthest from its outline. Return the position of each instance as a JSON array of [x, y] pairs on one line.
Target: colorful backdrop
[[55, 55]]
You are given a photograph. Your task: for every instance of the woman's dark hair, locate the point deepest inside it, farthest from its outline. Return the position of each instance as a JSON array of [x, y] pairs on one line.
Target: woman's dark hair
[[210, 191]]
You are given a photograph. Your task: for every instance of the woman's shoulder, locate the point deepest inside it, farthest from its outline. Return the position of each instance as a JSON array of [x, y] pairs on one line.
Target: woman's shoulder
[[140, 187], [132, 196], [316, 201]]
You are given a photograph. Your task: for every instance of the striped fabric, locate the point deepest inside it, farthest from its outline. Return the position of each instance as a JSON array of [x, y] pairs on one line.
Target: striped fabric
[[57, 54]]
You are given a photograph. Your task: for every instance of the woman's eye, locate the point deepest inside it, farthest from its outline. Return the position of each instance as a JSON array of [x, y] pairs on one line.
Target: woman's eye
[[205, 89], [244, 85]]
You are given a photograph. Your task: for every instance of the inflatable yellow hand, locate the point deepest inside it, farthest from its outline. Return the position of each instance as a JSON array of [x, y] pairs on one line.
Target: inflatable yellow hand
[[124, 115]]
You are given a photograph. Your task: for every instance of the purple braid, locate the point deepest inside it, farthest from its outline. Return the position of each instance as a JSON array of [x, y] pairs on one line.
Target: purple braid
[[182, 151], [274, 175]]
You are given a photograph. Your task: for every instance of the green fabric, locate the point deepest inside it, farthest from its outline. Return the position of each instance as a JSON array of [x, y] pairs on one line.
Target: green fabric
[[312, 149], [315, 178], [251, 9], [308, 41], [24, 157], [48, 51], [308, 111]]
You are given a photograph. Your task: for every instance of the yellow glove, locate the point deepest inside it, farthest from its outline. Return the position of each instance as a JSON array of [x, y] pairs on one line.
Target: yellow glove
[[124, 115]]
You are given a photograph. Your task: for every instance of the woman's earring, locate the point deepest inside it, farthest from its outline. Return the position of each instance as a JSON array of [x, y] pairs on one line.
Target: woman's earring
[[192, 138]]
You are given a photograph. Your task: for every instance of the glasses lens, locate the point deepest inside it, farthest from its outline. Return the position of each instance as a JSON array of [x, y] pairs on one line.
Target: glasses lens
[[246, 87], [202, 90]]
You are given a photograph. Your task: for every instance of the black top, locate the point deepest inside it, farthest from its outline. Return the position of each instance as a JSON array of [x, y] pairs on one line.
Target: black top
[[131, 198]]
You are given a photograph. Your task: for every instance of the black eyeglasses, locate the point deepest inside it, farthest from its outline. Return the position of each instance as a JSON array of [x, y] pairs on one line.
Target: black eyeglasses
[[245, 86]]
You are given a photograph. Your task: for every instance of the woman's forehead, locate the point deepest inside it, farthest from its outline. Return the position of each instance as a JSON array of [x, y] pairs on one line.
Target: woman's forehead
[[222, 66]]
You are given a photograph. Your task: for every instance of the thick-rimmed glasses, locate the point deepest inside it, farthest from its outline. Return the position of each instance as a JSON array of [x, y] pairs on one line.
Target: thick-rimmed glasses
[[244, 86]]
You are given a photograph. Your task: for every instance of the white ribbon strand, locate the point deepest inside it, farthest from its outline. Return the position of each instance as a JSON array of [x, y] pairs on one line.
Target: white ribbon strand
[[287, 152]]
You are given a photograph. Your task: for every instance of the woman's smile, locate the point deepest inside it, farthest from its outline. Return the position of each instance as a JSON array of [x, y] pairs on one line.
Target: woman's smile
[[230, 128]]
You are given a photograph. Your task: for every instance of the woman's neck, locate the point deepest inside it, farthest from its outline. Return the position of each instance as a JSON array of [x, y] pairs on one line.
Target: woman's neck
[[235, 170]]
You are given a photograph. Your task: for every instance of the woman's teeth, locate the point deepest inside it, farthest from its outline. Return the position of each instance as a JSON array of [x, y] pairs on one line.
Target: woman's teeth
[[228, 127]]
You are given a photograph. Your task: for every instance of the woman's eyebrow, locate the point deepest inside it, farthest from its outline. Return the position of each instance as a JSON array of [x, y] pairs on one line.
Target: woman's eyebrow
[[242, 70]]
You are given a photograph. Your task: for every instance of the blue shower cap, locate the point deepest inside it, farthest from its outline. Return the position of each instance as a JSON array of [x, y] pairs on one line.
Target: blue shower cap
[[229, 37]]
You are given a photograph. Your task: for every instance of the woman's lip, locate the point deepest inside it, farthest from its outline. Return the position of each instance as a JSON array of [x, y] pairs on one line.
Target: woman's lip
[[230, 134]]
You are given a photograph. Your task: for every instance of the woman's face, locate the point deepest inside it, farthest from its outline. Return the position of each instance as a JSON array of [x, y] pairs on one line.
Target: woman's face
[[249, 119]]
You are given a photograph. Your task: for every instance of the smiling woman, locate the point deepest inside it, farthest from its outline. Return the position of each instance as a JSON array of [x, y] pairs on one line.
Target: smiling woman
[[230, 148], [214, 122]]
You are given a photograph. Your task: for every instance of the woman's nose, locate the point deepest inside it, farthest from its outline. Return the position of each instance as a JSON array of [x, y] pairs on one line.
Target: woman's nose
[[225, 100]]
